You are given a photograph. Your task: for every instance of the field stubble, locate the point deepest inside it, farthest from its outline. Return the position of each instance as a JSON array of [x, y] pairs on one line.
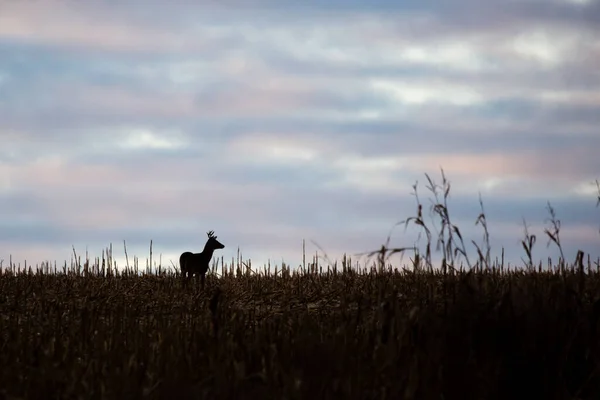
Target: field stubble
[[382, 334]]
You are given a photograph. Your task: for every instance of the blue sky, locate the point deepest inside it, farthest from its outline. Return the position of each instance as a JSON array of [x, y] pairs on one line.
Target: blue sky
[[272, 122]]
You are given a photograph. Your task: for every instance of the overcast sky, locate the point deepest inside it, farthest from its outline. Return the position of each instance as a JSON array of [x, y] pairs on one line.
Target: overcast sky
[[270, 122]]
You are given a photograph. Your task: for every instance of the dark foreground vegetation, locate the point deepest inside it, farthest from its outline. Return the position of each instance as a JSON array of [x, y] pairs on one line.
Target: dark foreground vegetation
[[478, 332], [341, 334]]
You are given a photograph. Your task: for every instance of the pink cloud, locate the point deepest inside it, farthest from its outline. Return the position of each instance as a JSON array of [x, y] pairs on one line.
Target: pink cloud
[[121, 101], [284, 97], [86, 25], [555, 165], [35, 254], [88, 195]]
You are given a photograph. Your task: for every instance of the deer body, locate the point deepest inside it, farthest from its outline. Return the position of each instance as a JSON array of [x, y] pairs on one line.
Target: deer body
[[197, 263]]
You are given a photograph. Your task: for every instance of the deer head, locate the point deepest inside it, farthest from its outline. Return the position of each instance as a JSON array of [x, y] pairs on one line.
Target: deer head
[[213, 242]]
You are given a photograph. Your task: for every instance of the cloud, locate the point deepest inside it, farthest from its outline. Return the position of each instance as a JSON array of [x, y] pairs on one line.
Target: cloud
[[146, 122]]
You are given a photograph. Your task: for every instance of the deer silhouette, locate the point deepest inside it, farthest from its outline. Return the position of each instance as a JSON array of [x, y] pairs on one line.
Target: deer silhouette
[[197, 263]]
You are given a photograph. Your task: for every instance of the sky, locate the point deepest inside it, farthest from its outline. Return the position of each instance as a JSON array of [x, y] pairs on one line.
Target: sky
[[273, 122]]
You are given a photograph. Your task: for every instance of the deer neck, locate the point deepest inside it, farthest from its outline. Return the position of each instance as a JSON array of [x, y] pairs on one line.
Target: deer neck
[[208, 252]]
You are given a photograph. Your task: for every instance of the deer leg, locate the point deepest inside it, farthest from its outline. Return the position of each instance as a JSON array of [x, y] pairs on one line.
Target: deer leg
[[202, 276], [184, 275]]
